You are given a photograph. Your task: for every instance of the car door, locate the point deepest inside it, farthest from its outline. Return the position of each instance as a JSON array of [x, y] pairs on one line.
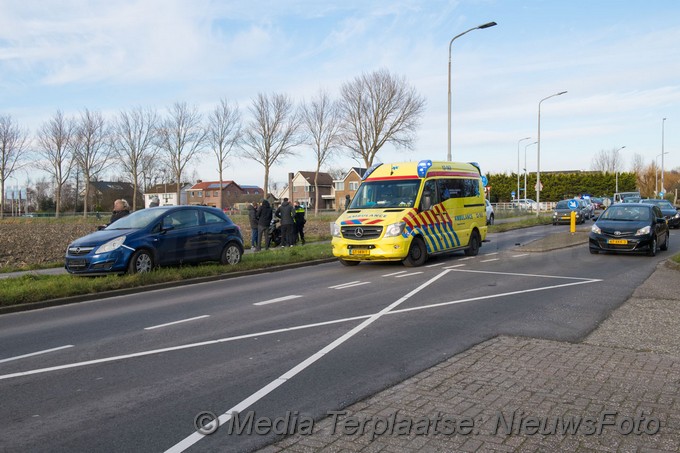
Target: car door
[[180, 239], [660, 224]]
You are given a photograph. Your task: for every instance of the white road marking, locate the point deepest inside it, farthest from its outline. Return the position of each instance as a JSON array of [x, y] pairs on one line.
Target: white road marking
[[9, 359], [466, 258], [176, 322], [408, 275], [349, 285], [435, 265], [489, 260], [394, 273], [517, 256], [454, 266], [279, 299], [489, 254], [264, 391], [343, 284], [528, 275]]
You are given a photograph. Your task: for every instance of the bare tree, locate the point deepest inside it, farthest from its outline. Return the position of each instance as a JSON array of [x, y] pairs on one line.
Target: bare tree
[[321, 122], [272, 132], [133, 141], [379, 108], [181, 137], [224, 134], [13, 150], [91, 150], [55, 149], [638, 164], [607, 161]]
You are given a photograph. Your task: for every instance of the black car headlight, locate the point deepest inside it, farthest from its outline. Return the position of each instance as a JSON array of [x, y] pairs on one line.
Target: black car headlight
[[643, 231], [595, 229]]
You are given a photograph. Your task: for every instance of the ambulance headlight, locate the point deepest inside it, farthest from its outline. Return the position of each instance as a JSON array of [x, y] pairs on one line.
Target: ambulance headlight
[[395, 229], [335, 230]]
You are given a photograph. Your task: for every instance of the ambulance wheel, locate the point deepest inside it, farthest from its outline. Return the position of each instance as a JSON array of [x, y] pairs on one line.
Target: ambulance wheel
[[473, 248], [348, 263], [417, 253]]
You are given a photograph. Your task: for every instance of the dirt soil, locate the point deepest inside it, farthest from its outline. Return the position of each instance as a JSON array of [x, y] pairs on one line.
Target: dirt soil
[[37, 241]]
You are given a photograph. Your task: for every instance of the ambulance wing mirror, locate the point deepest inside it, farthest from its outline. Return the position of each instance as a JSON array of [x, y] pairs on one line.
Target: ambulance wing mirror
[[426, 201]]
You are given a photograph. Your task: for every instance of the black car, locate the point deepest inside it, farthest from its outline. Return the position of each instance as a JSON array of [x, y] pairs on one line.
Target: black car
[[630, 228], [669, 211], [562, 212], [157, 237]]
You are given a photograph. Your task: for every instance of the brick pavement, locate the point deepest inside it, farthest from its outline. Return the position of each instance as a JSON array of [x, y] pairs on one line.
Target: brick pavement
[[544, 383]]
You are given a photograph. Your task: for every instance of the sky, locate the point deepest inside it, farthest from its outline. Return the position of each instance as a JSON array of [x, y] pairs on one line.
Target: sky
[[619, 62]]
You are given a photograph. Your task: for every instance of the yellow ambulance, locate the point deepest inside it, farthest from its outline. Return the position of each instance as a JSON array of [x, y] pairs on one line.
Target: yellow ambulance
[[408, 211]]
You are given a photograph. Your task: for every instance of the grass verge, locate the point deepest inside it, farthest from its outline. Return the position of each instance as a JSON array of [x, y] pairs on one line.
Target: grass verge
[[36, 288], [524, 223]]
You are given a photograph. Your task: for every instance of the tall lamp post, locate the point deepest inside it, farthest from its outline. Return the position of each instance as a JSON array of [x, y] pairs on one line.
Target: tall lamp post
[[656, 174], [479, 27], [525, 168], [663, 190], [520, 140], [617, 167], [538, 160]]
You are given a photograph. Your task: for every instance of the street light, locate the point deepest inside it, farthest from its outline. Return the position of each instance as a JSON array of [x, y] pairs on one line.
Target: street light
[[663, 190], [617, 168], [520, 140], [538, 160], [479, 27], [656, 175], [525, 169]]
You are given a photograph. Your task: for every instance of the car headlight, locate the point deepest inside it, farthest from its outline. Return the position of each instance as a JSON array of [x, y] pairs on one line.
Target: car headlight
[[677, 216], [555, 214], [110, 246], [395, 229], [643, 231], [595, 229], [335, 230]]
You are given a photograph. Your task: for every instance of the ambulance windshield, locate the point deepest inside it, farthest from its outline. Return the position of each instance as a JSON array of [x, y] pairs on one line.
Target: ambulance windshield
[[386, 194]]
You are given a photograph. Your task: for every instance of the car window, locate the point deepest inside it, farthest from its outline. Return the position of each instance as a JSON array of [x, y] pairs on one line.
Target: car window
[[212, 218], [181, 219], [564, 204]]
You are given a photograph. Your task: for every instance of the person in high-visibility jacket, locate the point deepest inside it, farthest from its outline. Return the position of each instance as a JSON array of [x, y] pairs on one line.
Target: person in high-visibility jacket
[[299, 217]]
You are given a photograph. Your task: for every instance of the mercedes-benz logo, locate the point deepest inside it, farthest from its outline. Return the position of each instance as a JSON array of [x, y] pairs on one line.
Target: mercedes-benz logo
[[359, 232]]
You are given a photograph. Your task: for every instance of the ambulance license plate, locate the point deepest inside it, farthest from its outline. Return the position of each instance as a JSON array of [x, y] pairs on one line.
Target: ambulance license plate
[[359, 252]]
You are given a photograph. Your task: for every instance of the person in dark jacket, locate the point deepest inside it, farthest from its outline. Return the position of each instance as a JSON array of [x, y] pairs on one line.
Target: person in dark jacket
[[285, 213], [121, 208], [252, 218], [299, 222], [264, 218]]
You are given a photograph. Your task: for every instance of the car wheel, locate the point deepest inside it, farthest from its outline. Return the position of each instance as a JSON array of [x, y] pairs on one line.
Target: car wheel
[[417, 253], [652, 247], [348, 263], [664, 247], [231, 254], [141, 262], [473, 247], [491, 219]]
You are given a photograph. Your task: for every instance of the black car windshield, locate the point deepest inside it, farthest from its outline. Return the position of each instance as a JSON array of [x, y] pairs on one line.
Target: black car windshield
[[564, 204], [662, 204], [138, 219], [386, 194], [631, 213]]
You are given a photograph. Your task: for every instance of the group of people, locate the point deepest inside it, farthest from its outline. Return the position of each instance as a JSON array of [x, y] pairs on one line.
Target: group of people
[[292, 223]]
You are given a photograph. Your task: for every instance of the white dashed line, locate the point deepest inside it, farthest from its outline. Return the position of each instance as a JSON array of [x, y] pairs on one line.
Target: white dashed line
[[408, 275], [9, 359], [435, 265], [454, 266], [176, 322], [394, 273], [278, 299], [488, 261], [349, 285], [518, 256]]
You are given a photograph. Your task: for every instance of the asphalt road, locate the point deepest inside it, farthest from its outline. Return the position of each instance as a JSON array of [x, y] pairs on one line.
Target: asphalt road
[[133, 372]]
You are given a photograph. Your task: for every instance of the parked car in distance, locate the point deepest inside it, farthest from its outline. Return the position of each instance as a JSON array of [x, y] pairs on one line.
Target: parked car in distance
[[524, 203], [626, 197], [598, 202], [590, 207], [669, 211], [630, 228], [562, 212], [158, 236], [490, 216]]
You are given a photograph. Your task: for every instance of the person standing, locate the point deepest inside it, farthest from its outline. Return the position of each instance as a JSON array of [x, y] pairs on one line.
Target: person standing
[[285, 213], [121, 208], [299, 222], [252, 218], [347, 201], [264, 218]]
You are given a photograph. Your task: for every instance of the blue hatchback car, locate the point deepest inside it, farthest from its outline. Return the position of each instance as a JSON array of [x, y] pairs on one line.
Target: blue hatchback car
[[157, 237]]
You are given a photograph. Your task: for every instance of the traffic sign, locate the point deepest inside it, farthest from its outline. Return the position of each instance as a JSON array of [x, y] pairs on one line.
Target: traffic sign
[[512, 194], [573, 204], [536, 187]]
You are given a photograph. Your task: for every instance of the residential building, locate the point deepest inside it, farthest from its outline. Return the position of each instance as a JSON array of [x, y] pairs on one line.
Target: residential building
[[303, 190], [167, 194], [209, 193], [347, 185]]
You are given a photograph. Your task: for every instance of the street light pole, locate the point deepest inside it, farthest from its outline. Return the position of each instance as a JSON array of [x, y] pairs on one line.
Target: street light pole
[[617, 168], [663, 190], [479, 27], [538, 160], [525, 168], [520, 140], [656, 175]]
